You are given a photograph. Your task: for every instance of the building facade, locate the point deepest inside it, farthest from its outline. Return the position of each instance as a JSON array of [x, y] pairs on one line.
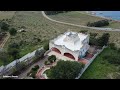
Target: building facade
[[70, 44]]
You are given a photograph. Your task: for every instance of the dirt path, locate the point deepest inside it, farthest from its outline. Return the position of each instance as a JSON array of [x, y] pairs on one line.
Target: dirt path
[[76, 25], [5, 40]]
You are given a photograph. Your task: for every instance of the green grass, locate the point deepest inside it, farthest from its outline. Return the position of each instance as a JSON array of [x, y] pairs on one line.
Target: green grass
[[39, 27], [6, 14], [75, 17], [1, 63], [100, 68], [80, 18]]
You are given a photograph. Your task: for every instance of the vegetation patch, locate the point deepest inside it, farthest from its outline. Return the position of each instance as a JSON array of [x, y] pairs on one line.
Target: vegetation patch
[[100, 23], [33, 71], [101, 67], [65, 70]]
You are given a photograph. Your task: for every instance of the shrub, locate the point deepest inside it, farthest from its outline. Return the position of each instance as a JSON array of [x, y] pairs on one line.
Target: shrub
[[33, 74], [112, 46], [93, 34], [28, 74], [65, 70], [84, 31], [12, 31], [14, 45], [39, 53], [115, 59], [118, 50], [98, 23], [47, 63], [4, 26], [35, 68], [46, 46], [52, 58]]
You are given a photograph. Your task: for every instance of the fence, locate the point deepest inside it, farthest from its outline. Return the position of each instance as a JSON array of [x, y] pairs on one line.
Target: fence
[[27, 59], [90, 61]]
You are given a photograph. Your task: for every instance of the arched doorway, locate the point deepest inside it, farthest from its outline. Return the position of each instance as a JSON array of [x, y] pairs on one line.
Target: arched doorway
[[69, 55], [56, 50]]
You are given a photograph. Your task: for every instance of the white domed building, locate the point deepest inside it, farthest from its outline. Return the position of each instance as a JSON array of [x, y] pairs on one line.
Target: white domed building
[[70, 44]]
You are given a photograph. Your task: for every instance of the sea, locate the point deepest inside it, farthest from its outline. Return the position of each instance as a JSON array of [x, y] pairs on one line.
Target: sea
[[115, 15]]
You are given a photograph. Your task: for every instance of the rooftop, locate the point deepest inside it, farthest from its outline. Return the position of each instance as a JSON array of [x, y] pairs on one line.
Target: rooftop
[[71, 40]]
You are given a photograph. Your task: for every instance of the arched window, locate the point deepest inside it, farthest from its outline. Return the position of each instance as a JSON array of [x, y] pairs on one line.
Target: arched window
[[56, 50], [69, 55]]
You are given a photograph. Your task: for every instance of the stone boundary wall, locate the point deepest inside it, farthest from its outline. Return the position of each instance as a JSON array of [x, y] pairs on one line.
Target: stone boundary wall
[[27, 59], [90, 61]]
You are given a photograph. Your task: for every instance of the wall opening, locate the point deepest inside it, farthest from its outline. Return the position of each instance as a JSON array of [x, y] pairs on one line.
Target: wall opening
[[69, 55], [56, 50]]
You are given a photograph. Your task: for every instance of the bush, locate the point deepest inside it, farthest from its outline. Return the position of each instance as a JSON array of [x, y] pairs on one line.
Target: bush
[[14, 53], [12, 31], [98, 23], [33, 74], [112, 46], [52, 58], [114, 59], [93, 34], [28, 74], [47, 63], [84, 31], [39, 53], [14, 45], [46, 46], [4, 26], [35, 68], [65, 70], [118, 50]]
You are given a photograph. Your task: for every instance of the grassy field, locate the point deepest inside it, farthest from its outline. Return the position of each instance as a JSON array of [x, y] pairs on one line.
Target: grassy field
[[100, 68], [76, 17], [6, 14], [37, 27]]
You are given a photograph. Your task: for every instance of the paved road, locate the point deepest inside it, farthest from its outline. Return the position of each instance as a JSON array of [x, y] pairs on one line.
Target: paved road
[[95, 28], [40, 63]]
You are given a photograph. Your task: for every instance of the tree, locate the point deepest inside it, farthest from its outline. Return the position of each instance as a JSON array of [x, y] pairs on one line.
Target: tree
[[104, 39], [14, 53], [39, 53], [4, 26], [99, 23], [14, 45], [52, 58], [65, 70], [93, 34], [93, 41], [46, 46], [4, 59], [13, 31], [112, 46], [84, 31]]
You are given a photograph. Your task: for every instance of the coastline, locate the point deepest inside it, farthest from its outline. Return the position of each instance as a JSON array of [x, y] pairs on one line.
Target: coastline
[[92, 13]]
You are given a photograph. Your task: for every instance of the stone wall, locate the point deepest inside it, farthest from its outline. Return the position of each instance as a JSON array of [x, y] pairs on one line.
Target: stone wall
[[90, 61]]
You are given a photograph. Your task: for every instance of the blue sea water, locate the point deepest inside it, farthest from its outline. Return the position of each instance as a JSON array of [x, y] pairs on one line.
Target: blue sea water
[[115, 15]]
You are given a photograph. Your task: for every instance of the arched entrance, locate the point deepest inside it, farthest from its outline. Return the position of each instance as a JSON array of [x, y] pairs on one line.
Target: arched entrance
[[56, 50], [69, 55]]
